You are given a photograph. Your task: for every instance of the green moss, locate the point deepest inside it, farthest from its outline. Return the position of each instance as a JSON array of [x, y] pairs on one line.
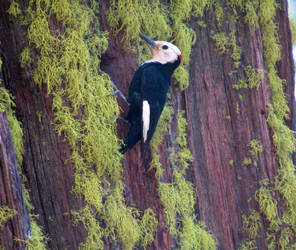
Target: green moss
[[284, 240], [6, 214], [254, 76], [218, 13], [247, 161], [184, 38], [221, 41], [270, 241], [255, 147], [26, 57], [148, 226], [260, 14], [14, 9], [226, 43], [251, 224], [283, 137], [121, 224], [237, 109], [199, 6], [134, 17], [36, 240], [95, 232], [183, 157], [251, 17], [195, 236], [268, 205], [201, 24], [7, 105], [66, 61], [178, 197], [236, 50], [157, 21], [248, 245], [161, 130]]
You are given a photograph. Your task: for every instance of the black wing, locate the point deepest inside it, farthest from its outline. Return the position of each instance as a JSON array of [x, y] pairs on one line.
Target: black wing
[[134, 97], [154, 87]]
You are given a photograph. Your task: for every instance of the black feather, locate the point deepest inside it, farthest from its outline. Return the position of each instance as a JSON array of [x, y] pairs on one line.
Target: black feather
[[150, 82]]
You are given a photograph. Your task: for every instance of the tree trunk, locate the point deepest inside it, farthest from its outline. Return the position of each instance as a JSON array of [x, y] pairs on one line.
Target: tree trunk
[[222, 121], [11, 191]]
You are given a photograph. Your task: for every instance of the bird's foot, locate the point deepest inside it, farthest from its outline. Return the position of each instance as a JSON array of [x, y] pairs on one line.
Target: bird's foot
[[122, 119], [118, 92]]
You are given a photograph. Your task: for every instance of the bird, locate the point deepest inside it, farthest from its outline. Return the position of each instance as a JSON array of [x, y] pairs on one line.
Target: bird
[[147, 93]]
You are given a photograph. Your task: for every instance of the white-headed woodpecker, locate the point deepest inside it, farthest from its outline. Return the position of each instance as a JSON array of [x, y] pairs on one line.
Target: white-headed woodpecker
[[148, 92]]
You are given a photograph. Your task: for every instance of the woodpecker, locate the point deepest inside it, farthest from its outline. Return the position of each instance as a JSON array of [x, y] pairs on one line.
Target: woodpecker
[[148, 92]]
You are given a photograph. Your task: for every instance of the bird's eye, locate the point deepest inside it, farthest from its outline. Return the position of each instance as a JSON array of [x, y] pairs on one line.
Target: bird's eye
[[165, 47]]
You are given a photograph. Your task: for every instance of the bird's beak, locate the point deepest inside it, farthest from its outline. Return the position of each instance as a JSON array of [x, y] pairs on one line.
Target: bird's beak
[[151, 42]]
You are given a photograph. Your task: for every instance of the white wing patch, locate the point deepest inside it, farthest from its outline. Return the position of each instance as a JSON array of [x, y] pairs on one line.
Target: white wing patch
[[145, 119]]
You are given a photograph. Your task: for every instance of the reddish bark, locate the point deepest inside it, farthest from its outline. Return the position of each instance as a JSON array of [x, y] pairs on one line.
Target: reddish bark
[[49, 174]]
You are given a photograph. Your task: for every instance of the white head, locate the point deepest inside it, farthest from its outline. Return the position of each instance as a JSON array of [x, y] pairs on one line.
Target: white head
[[163, 52]]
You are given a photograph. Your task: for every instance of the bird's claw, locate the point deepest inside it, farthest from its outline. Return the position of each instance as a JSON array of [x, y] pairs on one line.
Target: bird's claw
[[114, 93], [122, 119], [118, 92]]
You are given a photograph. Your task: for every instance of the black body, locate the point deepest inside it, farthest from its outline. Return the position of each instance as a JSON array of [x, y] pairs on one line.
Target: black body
[[150, 82]]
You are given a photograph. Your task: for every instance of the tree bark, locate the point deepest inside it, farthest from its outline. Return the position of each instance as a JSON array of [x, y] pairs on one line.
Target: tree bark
[[221, 122], [11, 192], [45, 164]]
